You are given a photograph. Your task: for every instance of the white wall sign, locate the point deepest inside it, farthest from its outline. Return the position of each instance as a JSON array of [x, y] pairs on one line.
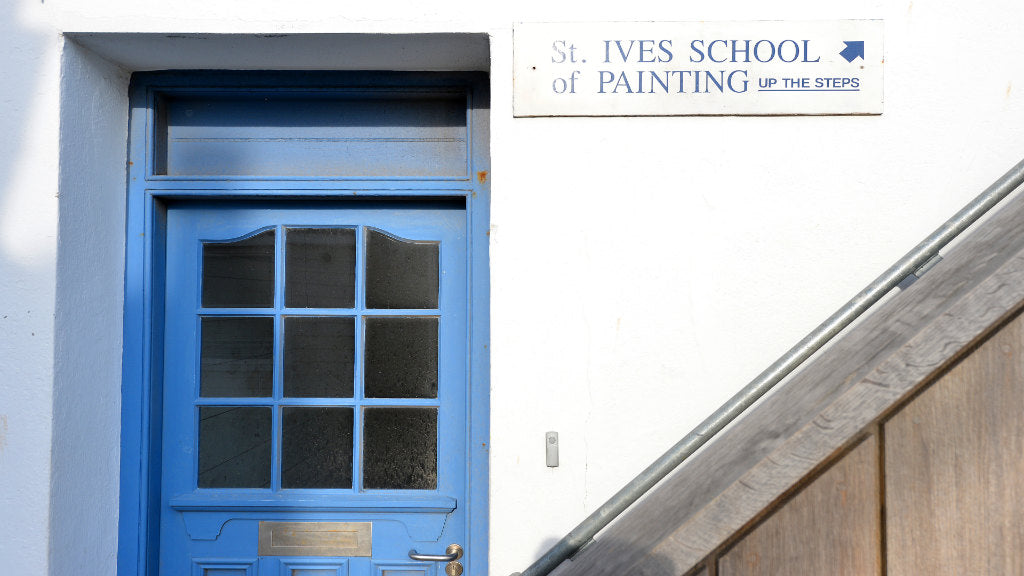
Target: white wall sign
[[698, 68]]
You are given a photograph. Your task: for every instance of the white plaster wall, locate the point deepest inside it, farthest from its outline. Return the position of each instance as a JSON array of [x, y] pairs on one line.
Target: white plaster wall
[[28, 216], [643, 269], [90, 284]]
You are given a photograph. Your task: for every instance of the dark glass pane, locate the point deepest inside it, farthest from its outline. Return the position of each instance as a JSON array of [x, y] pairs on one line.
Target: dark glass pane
[[319, 354], [234, 447], [239, 274], [320, 268], [316, 447], [237, 357], [400, 448], [401, 357], [400, 273]]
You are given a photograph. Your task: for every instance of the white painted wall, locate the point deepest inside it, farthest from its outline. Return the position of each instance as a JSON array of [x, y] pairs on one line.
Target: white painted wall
[[90, 284], [29, 63], [643, 269]]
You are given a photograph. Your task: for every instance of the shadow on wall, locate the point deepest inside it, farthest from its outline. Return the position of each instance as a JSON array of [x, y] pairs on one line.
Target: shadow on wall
[[27, 163], [654, 566]]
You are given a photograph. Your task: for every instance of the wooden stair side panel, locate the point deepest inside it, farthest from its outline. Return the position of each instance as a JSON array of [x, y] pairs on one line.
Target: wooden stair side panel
[[831, 526], [954, 462]]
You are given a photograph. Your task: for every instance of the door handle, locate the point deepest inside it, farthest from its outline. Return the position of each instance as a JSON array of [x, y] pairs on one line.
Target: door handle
[[452, 553]]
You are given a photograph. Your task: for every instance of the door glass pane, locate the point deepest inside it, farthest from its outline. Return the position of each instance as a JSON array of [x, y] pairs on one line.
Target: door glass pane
[[401, 357], [234, 447], [237, 356], [239, 274], [400, 448], [316, 447], [400, 273], [320, 268], [319, 353]]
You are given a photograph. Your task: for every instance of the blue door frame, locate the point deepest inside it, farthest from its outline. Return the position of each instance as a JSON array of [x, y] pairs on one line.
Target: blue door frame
[[151, 191]]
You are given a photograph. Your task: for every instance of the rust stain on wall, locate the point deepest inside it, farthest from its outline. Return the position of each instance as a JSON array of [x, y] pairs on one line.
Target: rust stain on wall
[[481, 176]]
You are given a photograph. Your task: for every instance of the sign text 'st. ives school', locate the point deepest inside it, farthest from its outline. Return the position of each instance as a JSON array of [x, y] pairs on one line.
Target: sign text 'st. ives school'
[[698, 68]]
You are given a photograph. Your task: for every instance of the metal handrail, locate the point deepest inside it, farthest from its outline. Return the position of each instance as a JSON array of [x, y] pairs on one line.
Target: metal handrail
[[913, 262]]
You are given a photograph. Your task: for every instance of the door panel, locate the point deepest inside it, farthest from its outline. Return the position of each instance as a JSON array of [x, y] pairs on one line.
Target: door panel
[[315, 373]]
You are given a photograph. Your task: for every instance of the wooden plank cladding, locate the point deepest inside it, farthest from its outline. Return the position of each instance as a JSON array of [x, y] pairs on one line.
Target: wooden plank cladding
[[329, 134], [829, 527], [954, 461], [945, 469]]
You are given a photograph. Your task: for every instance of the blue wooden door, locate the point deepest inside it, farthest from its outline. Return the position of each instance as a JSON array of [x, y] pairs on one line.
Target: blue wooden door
[[314, 404]]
